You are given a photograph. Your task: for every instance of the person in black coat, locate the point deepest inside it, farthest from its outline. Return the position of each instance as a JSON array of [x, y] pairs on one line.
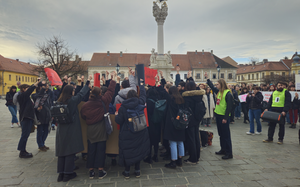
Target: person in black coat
[[192, 97], [245, 105], [293, 112], [26, 117], [133, 146], [11, 106]]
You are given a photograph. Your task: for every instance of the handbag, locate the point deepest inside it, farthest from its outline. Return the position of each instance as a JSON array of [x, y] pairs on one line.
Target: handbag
[[108, 126]]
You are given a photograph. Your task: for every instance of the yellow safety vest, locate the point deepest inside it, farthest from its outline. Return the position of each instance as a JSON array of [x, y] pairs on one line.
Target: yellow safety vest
[[221, 104]]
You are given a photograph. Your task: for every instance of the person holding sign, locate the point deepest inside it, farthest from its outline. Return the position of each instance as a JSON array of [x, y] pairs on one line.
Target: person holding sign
[[280, 101], [254, 100], [294, 110], [223, 109]]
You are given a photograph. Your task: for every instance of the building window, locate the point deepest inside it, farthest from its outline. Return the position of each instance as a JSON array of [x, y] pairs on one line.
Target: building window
[[10, 77], [238, 78], [272, 73], [293, 72], [171, 76], [25, 79], [198, 76], [229, 75], [283, 73], [222, 75], [16, 77], [19, 78], [214, 76], [122, 76], [243, 77], [256, 76], [263, 75], [248, 76], [185, 76], [298, 71], [252, 76]]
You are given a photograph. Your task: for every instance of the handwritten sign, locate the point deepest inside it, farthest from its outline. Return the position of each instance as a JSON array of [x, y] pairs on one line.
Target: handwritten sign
[[297, 79], [293, 94], [266, 95], [242, 98], [53, 77], [149, 76]]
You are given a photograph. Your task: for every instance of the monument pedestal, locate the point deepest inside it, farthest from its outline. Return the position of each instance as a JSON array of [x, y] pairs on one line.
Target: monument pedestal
[[163, 63]]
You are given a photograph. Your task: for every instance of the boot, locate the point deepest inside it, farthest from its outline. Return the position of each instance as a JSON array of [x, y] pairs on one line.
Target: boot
[[154, 158], [148, 160], [294, 126], [179, 162], [171, 165]]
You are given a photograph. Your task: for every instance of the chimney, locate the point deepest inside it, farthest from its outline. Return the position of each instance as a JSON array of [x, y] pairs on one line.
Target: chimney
[[17, 60], [253, 63], [202, 51], [79, 59], [107, 53], [121, 53], [196, 51], [265, 61], [212, 52], [76, 58]]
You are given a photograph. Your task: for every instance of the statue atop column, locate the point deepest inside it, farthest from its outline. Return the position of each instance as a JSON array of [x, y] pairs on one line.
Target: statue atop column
[[160, 14]]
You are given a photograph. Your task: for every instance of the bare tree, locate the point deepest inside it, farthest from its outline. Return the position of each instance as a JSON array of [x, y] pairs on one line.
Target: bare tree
[[55, 54], [274, 79], [253, 60]]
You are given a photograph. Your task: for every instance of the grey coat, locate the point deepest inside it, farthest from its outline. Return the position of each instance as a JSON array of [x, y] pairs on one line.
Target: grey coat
[[69, 136], [122, 94]]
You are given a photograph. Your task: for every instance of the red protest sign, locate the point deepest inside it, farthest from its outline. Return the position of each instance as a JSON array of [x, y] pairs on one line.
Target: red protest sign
[[150, 76], [53, 77], [97, 79]]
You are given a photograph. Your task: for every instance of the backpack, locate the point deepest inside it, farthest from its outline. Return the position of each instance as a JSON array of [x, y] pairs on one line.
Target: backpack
[[159, 110], [137, 119], [200, 111], [182, 119], [60, 113]]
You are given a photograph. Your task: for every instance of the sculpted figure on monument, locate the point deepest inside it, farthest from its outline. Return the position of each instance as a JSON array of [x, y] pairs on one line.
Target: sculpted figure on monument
[[160, 14], [169, 58], [153, 56]]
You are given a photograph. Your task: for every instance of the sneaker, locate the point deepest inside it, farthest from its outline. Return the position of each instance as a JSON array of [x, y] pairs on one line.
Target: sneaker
[[137, 174], [126, 175], [68, 177], [179, 162], [60, 177], [43, 149], [227, 157], [280, 142], [12, 126], [189, 162], [92, 174], [258, 133], [102, 174], [53, 128], [171, 165], [238, 118], [209, 125], [267, 141], [250, 133], [18, 124]]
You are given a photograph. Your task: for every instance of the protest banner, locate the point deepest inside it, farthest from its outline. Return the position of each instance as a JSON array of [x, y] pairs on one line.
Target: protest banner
[[150, 76], [242, 98], [53, 78], [97, 79], [139, 72], [266, 95], [293, 94], [112, 143], [297, 82]]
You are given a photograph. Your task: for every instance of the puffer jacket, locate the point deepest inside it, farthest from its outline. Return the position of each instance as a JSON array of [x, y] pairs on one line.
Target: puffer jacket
[[122, 94]]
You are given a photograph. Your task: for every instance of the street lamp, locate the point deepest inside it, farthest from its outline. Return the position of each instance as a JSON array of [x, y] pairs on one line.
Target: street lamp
[[219, 69], [118, 68]]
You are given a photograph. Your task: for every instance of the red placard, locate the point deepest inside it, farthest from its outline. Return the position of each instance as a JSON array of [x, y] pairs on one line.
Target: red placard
[[150, 76], [145, 111], [97, 79], [53, 77]]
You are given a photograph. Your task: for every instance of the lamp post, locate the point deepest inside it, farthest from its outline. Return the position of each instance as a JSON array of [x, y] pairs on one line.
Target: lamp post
[[118, 68], [219, 69]]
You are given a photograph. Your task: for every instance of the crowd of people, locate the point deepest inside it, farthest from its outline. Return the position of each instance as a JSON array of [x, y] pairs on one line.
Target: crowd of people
[[174, 112]]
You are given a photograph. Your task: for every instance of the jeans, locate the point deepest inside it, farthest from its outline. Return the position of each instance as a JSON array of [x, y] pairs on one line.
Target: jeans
[[65, 164], [42, 134], [224, 133], [293, 115], [206, 121], [254, 114], [96, 154], [192, 142], [176, 147], [13, 111], [237, 112], [26, 125]]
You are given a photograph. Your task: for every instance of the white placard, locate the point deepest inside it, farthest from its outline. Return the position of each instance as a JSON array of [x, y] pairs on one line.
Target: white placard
[[267, 95], [242, 98], [297, 80]]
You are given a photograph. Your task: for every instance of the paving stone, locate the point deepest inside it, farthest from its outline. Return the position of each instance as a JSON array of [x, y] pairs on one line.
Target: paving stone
[[229, 178], [175, 181], [223, 184], [251, 177], [11, 181], [189, 174], [128, 184], [152, 182], [247, 184], [111, 184], [193, 169], [198, 180], [290, 182], [271, 183]]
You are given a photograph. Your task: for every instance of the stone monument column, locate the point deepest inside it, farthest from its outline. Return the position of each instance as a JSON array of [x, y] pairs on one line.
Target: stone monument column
[[160, 61]]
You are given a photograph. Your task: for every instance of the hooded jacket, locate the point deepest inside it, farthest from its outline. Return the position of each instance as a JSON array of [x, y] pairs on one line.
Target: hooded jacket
[[255, 102], [26, 104], [122, 94], [133, 146], [191, 98]]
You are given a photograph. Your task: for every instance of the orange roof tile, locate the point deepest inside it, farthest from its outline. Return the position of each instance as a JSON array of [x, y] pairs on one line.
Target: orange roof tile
[[273, 66], [12, 65]]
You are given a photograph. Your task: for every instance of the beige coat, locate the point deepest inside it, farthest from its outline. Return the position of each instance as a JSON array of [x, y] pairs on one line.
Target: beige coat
[[209, 110]]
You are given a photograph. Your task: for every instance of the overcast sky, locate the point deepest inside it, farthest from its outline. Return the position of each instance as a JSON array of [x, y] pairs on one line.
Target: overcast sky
[[240, 29]]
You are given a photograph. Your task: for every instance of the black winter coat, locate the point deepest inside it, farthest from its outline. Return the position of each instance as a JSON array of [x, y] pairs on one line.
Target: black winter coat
[[191, 98], [43, 115], [133, 147], [9, 98], [295, 103], [255, 102], [26, 104]]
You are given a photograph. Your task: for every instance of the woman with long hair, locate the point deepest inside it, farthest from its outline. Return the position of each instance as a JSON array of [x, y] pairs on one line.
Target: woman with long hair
[[272, 88], [93, 113], [223, 108], [208, 100], [245, 105], [11, 106], [69, 136]]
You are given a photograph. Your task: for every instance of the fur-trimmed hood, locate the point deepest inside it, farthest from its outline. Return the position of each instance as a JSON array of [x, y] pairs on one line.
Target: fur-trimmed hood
[[193, 93]]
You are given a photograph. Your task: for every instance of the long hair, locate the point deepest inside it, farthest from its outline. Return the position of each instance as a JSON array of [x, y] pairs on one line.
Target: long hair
[[190, 86], [12, 87], [95, 92], [66, 94], [223, 87], [173, 91], [131, 94], [23, 87], [273, 87]]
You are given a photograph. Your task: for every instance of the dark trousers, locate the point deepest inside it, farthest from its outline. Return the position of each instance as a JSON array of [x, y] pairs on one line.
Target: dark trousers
[[245, 110], [224, 133], [65, 164], [42, 134], [136, 167], [232, 114], [96, 154], [192, 143], [271, 130], [26, 125], [166, 144], [155, 149]]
